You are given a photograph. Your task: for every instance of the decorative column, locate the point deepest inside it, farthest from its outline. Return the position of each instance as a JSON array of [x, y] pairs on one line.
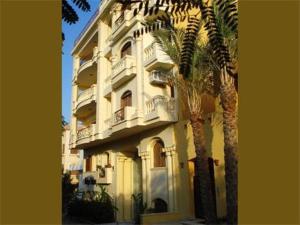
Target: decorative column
[[101, 72], [120, 186], [73, 128], [170, 151], [139, 74], [146, 176]]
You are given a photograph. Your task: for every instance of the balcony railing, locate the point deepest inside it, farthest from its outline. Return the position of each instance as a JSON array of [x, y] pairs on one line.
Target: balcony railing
[[167, 104], [85, 132], [118, 22], [119, 115], [149, 52], [152, 104], [153, 54], [126, 63], [86, 96]]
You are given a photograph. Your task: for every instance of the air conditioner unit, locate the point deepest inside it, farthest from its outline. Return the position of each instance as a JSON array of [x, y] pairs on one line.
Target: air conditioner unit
[[157, 78]]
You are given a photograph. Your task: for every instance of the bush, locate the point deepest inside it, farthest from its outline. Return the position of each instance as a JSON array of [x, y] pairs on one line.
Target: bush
[[68, 190], [94, 206]]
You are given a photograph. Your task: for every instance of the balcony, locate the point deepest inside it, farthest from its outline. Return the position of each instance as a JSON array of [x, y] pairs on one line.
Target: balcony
[[161, 108], [155, 58], [123, 70], [157, 77], [100, 177], [121, 25], [123, 118], [86, 134], [86, 97], [87, 71]]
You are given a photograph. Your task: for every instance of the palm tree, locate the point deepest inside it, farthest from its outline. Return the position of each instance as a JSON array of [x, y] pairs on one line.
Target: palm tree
[[192, 90], [69, 15], [213, 13]]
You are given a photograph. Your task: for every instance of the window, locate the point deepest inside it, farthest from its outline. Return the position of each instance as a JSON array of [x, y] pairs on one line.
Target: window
[[158, 155], [126, 99], [126, 49], [88, 164]]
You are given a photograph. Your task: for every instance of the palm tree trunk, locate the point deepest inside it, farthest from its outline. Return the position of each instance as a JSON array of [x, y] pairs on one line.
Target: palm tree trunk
[[202, 170], [229, 99]]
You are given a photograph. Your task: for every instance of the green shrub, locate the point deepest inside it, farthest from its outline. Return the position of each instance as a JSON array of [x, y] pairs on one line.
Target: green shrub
[[94, 206]]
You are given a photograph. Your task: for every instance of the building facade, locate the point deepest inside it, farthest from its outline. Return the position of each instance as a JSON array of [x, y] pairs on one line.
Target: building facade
[[72, 159], [128, 120]]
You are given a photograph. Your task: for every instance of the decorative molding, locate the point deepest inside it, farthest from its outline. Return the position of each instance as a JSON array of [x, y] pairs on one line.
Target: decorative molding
[[170, 149]]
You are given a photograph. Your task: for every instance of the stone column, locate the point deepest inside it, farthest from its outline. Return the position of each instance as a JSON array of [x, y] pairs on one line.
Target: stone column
[[120, 187], [146, 177], [171, 177], [139, 75], [101, 72], [73, 120]]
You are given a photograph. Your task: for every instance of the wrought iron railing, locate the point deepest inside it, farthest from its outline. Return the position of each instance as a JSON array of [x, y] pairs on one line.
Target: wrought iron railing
[[119, 115]]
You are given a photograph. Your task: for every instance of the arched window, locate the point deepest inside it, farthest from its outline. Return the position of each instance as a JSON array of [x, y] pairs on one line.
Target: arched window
[[126, 99], [126, 49], [159, 205], [159, 157]]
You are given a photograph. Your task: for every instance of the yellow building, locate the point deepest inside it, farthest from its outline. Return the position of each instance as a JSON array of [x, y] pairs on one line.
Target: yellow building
[[72, 158], [127, 120]]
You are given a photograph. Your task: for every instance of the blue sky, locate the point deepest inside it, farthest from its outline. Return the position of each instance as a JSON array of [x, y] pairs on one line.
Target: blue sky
[[71, 32]]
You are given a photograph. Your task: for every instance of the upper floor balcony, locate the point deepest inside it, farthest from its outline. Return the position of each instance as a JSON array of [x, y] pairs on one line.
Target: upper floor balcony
[[87, 72], [123, 70], [161, 108], [122, 118], [85, 135], [155, 58], [121, 24], [85, 98]]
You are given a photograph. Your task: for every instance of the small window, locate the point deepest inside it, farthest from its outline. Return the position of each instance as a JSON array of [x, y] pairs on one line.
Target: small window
[[159, 157], [126, 49]]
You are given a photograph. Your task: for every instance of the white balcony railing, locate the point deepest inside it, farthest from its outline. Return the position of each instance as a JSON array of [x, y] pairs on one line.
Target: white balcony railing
[[86, 95], [86, 132], [127, 64], [154, 54], [152, 104], [118, 22], [168, 104]]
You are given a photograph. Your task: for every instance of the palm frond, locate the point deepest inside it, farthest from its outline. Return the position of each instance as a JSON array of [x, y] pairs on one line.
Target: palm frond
[[82, 4], [68, 13]]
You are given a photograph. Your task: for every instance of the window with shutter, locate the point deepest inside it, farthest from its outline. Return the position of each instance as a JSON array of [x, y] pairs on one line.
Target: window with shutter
[[88, 164], [159, 157], [126, 99]]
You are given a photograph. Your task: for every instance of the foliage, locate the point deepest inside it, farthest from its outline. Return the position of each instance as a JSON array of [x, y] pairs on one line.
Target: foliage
[[94, 206], [139, 207], [68, 190], [69, 15]]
